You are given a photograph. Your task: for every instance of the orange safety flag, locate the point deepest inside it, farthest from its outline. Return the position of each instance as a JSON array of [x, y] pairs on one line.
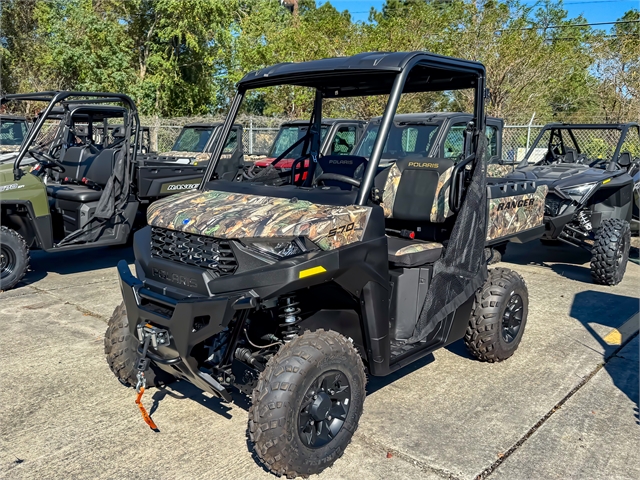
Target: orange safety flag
[[143, 411]]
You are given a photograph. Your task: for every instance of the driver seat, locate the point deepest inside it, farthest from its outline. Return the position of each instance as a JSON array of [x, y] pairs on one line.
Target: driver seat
[[415, 191], [348, 165]]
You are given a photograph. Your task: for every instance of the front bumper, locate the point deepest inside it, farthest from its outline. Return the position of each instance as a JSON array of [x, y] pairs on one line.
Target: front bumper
[[189, 322]]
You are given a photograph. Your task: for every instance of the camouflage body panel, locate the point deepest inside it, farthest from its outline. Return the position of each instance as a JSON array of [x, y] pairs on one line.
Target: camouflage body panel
[[440, 209], [390, 190], [514, 214], [418, 247], [235, 216], [497, 171]]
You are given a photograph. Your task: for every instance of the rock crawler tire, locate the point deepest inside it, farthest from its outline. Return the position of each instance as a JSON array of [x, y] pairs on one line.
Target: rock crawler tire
[[14, 258], [610, 252], [120, 347], [499, 304], [284, 388]]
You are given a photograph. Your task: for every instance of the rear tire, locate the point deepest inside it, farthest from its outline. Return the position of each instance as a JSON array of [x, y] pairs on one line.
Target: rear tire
[[287, 435], [494, 254], [121, 348], [498, 317], [610, 252], [14, 258]]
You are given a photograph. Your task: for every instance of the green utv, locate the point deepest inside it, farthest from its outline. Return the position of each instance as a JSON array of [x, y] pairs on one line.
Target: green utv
[[292, 293], [70, 186]]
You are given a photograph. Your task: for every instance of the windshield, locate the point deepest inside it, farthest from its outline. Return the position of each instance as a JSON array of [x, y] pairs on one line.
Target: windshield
[[403, 139], [287, 136], [12, 132], [193, 139]]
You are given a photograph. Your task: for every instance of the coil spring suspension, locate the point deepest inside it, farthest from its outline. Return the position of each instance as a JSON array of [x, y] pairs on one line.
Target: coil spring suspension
[[290, 315], [583, 220]]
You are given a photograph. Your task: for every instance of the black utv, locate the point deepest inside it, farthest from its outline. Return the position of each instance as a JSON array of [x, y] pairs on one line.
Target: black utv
[[195, 144], [70, 186], [292, 293], [588, 169]]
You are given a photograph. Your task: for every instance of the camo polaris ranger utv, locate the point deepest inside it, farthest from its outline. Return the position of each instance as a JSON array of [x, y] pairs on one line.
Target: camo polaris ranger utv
[[292, 293], [70, 186], [588, 169]]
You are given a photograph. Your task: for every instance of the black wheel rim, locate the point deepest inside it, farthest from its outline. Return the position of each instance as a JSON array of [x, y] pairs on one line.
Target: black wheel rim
[[620, 254], [324, 409], [512, 318], [7, 261]]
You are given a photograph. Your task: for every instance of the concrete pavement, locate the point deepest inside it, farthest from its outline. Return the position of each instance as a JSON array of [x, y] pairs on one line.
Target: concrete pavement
[[64, 415]]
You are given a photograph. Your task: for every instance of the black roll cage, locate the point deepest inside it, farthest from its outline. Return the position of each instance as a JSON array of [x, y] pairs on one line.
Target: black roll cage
[[70, 97], [557, 128], [455, 71]]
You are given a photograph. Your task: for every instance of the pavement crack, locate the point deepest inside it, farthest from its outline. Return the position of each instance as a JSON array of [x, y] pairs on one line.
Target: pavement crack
[[84, 311], [490, 469], [422, 465]]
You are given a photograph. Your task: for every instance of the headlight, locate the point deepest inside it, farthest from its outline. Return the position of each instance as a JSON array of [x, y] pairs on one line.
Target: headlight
[[278, 247], [580, 191]]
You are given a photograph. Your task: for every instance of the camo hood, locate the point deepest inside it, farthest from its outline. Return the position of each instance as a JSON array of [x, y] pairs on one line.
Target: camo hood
[[235, 216]]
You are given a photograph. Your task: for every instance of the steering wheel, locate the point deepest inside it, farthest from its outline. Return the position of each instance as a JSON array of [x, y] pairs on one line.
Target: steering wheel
[[338, 178], [47, 161]]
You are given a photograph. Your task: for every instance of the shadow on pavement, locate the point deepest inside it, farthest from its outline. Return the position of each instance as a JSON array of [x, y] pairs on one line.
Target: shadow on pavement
[[187, 391], [376, 383], [535, 253], [75, 261], [610, 310]]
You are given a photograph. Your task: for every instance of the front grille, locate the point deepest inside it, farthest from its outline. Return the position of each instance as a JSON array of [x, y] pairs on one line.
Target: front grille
[[195, 250]]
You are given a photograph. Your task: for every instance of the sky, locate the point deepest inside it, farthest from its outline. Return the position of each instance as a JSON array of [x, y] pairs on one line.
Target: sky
[[593, 10]]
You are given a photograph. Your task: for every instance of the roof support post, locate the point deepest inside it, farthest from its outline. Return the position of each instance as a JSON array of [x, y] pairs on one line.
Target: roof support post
[[381, 138]]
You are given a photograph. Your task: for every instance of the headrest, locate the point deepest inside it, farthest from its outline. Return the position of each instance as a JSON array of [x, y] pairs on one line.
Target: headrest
[[118, 132], [624, 160], [570, 155]]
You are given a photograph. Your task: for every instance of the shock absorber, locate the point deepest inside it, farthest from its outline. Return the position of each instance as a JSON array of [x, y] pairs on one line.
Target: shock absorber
[[290, 316], [584, 221]]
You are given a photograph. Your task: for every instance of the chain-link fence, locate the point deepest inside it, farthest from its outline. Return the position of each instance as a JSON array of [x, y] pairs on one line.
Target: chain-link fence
[[259, 133]]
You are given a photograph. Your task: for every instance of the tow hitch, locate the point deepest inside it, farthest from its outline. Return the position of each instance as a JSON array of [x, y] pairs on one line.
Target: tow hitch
[[147, 335]]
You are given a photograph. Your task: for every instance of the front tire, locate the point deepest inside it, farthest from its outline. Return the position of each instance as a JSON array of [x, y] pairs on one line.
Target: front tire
[[610, 252], [498, 317], [14, 258], [307, 404], [121, 348]]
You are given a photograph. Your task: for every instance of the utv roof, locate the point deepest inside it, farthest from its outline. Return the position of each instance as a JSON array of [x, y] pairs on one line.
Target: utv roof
[[6, 116], [370, 73], [585, 126], [428, 117], [69, 97]]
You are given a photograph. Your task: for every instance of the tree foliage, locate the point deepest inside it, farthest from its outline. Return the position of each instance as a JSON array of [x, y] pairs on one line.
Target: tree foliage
[[183, 57]]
